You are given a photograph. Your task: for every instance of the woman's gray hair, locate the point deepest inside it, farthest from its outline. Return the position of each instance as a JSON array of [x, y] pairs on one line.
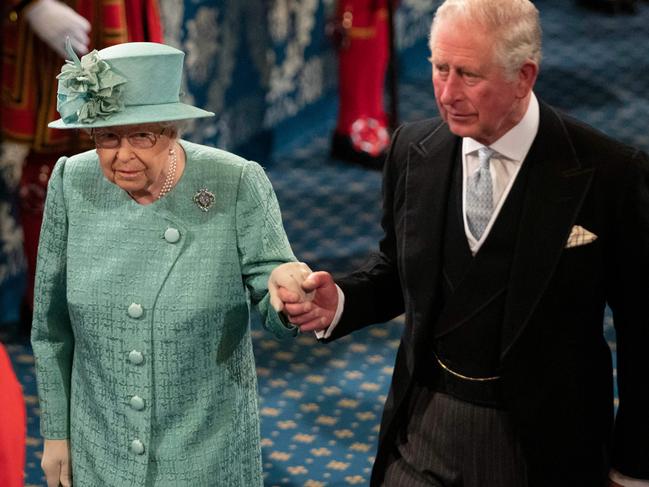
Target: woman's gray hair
[[514, 24], [175, 126]]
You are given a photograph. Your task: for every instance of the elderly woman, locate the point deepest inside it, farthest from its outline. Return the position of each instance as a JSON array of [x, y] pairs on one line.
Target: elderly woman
[[152, 250]]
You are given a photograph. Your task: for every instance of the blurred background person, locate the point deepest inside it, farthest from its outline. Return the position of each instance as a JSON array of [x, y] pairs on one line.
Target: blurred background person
[[362, 35]]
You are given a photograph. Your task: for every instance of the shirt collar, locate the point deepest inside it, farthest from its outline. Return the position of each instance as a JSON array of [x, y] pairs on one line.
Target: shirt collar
[[516, 143]]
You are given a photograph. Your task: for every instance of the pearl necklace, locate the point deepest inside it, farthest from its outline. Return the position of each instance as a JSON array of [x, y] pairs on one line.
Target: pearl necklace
[[171, 174]]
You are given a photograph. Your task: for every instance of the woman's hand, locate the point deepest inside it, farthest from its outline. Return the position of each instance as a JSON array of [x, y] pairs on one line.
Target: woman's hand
[[56, 463], [290, 277]]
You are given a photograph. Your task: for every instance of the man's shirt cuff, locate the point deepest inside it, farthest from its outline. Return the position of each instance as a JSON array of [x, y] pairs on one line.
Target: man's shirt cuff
[[339, 311], [625, 481]]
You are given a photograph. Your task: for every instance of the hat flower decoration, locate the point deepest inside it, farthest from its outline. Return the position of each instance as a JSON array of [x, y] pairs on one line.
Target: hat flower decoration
[[88, 88], [123, 84]]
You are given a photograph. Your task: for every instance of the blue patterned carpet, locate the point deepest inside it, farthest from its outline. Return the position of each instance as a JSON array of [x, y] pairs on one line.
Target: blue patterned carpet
[[321, 404]]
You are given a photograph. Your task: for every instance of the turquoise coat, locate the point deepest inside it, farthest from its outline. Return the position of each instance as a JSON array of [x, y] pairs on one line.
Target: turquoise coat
[[141, 323]]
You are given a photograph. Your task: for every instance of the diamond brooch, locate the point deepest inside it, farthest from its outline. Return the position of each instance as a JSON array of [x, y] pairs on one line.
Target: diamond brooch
[[204, 199]]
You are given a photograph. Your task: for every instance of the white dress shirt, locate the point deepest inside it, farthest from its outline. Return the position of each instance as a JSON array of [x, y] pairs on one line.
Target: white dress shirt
[[510, 151]]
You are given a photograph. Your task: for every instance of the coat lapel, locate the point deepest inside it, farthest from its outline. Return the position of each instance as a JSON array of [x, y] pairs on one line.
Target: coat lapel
[[430, 162], [555, 191]]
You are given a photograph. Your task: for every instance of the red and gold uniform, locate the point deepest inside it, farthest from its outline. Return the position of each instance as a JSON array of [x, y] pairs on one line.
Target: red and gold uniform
[[361, 132], [29, 69]]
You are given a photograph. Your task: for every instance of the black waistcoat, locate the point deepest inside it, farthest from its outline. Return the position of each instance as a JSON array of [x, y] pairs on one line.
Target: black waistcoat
[[468, 331]]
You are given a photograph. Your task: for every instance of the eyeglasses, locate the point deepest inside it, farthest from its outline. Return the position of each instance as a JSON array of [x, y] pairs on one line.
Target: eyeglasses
[[139, 140]]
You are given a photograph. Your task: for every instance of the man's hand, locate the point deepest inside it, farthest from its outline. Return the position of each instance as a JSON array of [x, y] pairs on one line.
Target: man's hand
[[53, 21], [56, 463], [317, 313], [289, 277]]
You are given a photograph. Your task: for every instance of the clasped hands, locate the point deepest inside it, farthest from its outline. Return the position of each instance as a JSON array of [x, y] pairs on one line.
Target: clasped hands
[[308, 299]]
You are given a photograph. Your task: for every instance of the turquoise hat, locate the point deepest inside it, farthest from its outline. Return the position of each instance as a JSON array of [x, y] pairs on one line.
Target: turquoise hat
[[125, 84]]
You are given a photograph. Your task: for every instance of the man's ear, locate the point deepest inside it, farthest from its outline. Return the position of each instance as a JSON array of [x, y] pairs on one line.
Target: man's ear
[[526, 78]]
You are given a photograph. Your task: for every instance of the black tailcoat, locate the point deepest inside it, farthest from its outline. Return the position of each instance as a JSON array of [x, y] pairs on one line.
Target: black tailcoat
[[555, 364]]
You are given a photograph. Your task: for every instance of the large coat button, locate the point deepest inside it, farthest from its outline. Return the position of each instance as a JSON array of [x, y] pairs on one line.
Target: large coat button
[[137, 403], [135, 357], [135, 310], [172, 235], [137, 447]]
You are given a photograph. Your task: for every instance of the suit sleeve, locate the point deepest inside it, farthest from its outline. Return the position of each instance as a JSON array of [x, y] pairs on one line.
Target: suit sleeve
[[628, 296], [262, 243], [52, 337], [373, 293]]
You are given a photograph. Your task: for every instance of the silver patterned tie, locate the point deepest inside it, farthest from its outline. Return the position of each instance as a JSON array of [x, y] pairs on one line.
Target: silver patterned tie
[[479, 195]]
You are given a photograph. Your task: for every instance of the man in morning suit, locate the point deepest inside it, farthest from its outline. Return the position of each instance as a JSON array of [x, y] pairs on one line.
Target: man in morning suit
[[508, 228]]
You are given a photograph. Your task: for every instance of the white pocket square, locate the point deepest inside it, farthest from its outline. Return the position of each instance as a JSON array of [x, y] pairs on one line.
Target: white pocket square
[[580, 236]]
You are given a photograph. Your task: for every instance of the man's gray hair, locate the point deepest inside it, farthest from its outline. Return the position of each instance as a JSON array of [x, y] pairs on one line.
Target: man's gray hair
[[514, 23]]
